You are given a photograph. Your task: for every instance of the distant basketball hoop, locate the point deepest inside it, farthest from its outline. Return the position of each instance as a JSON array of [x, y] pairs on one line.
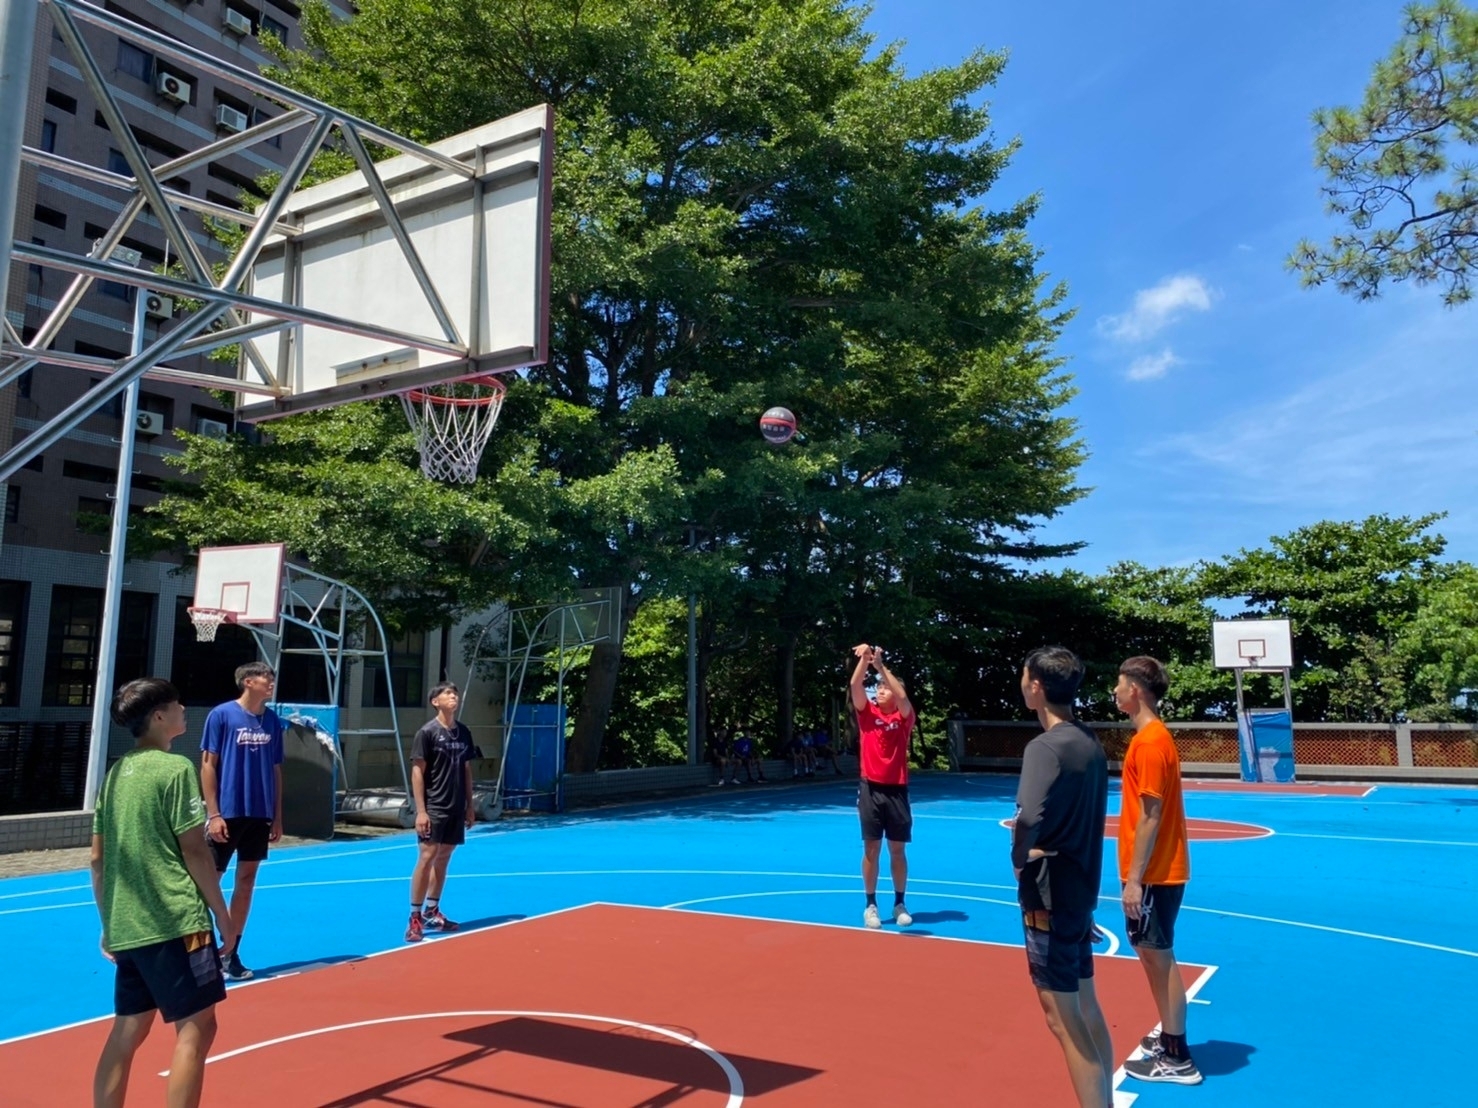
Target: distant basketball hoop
[[207, 621], [452, 423]]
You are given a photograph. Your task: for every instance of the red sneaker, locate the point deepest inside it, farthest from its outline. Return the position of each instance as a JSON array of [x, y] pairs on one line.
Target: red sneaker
[[435, 921], [414, 932]]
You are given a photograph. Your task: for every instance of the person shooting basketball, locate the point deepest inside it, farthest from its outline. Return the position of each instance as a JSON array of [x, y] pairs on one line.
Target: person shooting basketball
[[883, 728]]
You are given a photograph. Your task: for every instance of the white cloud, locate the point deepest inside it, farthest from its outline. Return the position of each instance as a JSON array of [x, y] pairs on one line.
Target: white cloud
[[1150, 367], [1156, 308]]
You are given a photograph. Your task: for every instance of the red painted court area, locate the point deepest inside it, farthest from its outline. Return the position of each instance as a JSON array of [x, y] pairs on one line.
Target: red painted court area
[[607, 1005], [1292, 788]]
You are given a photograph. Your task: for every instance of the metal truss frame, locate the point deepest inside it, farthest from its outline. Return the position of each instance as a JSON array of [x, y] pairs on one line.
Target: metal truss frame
[[333, 614], [219, 321]]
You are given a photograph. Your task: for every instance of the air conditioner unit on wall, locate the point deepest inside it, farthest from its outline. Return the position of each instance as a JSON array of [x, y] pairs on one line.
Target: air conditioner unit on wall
[[158, 307], [150, 423], [212, 428], [237, 22], [230, 119], [174, 88]]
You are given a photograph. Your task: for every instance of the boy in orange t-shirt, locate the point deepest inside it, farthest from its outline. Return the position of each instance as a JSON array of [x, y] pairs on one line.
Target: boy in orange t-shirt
[[1154, 866]]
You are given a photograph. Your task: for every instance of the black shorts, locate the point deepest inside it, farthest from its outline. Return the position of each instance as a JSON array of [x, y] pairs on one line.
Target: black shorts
[[1059, 948], [1155, 927], [884, 811], [180, 977], [447, 829], [246, 837]]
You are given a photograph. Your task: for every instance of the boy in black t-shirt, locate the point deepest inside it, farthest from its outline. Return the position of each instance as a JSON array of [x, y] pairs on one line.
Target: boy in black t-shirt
[[1057, 853], [441, 782]]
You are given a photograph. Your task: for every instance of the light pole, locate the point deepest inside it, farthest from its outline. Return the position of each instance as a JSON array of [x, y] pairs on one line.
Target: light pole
[[695, 751]]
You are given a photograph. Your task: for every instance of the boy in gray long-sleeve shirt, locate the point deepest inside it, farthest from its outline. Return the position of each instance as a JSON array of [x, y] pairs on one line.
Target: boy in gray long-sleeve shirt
[[1057, 853]]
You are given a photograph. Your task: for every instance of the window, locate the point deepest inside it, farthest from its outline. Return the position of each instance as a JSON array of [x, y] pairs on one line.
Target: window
[[272, 26], [85, 471], [72, 643], [93, 506], [51, 217], [407, 668], [23, 386], [135, 655], [72, 646], [117, 163], [15, 596], [117, 290], [135, 62], [205, 672], [61, 100], [48, 136], [12, 503]]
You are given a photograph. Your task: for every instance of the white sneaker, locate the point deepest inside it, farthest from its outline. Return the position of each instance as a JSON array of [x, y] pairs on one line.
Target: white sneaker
[[871, 918], [901, 916]]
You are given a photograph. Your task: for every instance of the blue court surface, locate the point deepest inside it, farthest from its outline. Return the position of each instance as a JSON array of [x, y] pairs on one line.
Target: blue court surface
[[1338, 934]]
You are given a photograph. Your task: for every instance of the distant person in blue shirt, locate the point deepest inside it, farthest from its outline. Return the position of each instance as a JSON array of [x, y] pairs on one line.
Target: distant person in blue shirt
[[241, 777]]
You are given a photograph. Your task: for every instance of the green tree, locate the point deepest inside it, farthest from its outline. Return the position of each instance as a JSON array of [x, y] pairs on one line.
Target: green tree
[[1440, 648], [1399, 169], [752, 205], [1351, 592]]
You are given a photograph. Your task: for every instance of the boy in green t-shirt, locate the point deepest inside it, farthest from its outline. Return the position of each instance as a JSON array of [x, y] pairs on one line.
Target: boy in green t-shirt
[[156, 886]]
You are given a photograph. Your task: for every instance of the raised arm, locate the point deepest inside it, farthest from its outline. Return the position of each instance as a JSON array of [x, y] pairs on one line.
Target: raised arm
[[900, 695], [859, 674]]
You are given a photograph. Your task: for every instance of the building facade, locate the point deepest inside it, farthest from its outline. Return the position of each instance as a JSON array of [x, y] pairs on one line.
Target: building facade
[[53, 548]]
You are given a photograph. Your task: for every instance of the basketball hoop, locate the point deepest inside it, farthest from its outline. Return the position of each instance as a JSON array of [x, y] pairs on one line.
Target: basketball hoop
[[207, 621], [452, 422]]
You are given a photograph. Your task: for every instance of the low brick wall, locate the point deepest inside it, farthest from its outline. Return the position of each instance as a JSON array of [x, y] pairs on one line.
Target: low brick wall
[[45, 831], [1363, 751], [604, 786]]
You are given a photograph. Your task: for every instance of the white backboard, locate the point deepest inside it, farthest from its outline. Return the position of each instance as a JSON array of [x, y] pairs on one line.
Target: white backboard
[[484, 245], [243, 580], [1263, 643]]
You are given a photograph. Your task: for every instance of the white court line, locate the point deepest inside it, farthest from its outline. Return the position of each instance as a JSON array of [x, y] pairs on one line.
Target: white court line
[[1122, 1099], [268, 979], [736, 1083], [1332, 930], [1111, 952], [1369, 839]]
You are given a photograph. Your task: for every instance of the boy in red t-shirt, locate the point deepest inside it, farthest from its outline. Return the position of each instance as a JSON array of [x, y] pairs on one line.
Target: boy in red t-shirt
[[1154, 865], [883, 730]]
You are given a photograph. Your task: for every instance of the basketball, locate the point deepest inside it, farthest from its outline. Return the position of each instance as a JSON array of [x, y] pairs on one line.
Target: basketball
[[778, 426]]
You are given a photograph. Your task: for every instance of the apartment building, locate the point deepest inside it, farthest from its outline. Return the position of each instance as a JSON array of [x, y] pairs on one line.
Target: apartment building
[[53, 552]]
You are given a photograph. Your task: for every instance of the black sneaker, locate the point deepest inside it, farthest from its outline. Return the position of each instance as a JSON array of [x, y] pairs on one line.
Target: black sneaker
[[1150, 1044], [1162, 1067], [235, 970]]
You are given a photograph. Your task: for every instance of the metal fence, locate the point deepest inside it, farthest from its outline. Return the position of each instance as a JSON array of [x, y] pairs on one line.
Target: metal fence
[[1406, 749]]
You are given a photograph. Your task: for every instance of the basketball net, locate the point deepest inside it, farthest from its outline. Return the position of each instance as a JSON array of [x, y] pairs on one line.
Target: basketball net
[[207, 621], [452, 422]]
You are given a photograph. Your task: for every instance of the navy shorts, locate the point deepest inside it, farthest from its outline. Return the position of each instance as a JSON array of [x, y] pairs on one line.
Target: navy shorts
[[1155, 927], [246, 837], [884, 811], [180, 977], [1059, 948], [447, 829]]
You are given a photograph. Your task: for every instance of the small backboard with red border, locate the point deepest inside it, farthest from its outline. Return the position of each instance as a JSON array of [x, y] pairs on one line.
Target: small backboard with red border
[[243, 581], [1252, 644]]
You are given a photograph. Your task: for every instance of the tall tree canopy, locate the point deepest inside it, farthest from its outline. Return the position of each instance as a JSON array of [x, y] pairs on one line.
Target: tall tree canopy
[[754, 204], [1399, 167]]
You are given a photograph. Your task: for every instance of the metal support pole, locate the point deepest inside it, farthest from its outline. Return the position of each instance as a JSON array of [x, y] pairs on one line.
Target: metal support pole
[[17, 37], [695, 754], [102, 695]]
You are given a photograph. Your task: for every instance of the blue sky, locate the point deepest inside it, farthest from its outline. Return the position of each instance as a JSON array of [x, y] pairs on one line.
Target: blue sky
[[1220, 402]]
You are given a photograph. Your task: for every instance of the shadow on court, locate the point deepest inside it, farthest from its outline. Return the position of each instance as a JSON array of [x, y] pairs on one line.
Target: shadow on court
[[951, 916], [306, 965], [484, 921], [630, 1052], [1217, 1058]]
